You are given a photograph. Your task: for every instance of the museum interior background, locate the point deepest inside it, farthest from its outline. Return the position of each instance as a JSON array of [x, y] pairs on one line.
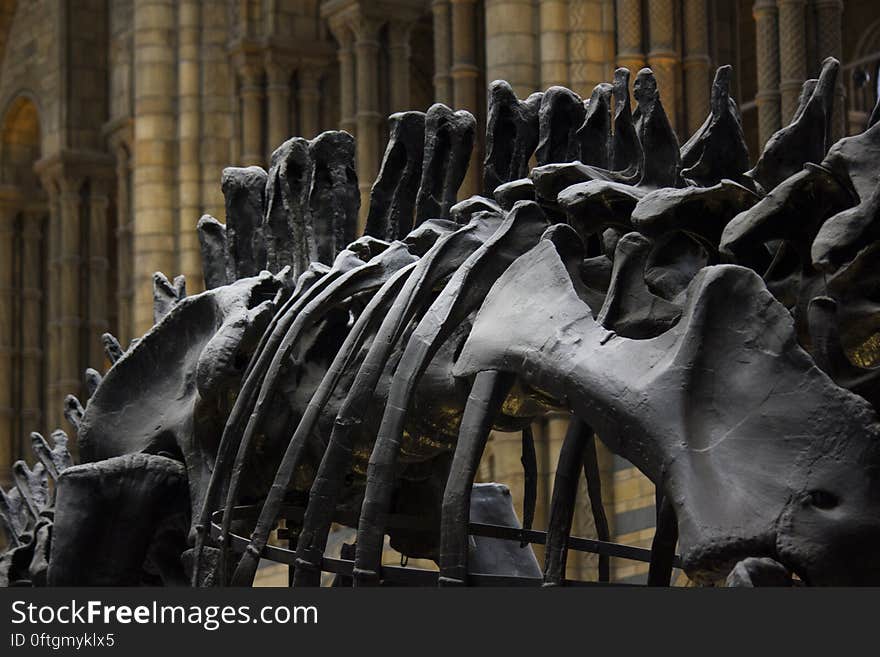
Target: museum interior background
[[117, 117]]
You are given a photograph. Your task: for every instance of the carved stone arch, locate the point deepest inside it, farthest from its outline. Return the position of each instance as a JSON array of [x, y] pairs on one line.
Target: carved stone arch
[[21, 141]]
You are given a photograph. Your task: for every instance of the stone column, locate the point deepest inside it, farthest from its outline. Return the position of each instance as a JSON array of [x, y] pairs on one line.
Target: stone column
[[7, 337], [154, 152], [696, 63], [829, 16], [442, 52], [217, 88], [368, 117], [347, 92], [553, 22], [124, 252], [31, 320], [662, 56], [767, 44], [188, 134], [310, 100], [53, 293], [252, 114], [465, 73], [510, 44], [630, 52], [99, 270], [399, 52], [792, 54], [278, 93], [70, 316]]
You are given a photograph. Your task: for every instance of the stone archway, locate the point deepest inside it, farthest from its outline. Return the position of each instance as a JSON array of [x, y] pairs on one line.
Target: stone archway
[[23, 214]]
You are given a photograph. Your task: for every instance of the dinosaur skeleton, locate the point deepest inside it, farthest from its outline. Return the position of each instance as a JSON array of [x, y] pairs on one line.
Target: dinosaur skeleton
[[705, 321]]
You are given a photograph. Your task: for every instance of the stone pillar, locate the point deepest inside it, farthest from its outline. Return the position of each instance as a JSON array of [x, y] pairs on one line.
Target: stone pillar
[[442, 52], [280, 116], [252, 114], [99, 270], [368, 117], [553, 22], [696, 63], [347, 91], [154, 152], [792, 54], [124, 250], [53, 292], [31, 320], [70, 316], [662, 56], [465, 73], [767, 44], [829, 16], [590, 44], [630, 51], [7, 338], [399, 51], [188, 134], [310, 100], [510, 44], [217, 88]]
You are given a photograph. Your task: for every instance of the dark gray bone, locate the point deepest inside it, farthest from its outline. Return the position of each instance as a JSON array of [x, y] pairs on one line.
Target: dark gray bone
[[214, 251], [334, 199], [92, 380], [110, 516], [661, 160], [112, 347], [511, 135], [561, 115], [630, 308], [702, 212], [595, 134], [626, 150], [805, 139], [449, 140], [55, 459], [166, 294], [698, 446], [245, 192], [393, 196], [718, 149], [288, 228], [465, 290], [510, 193]]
